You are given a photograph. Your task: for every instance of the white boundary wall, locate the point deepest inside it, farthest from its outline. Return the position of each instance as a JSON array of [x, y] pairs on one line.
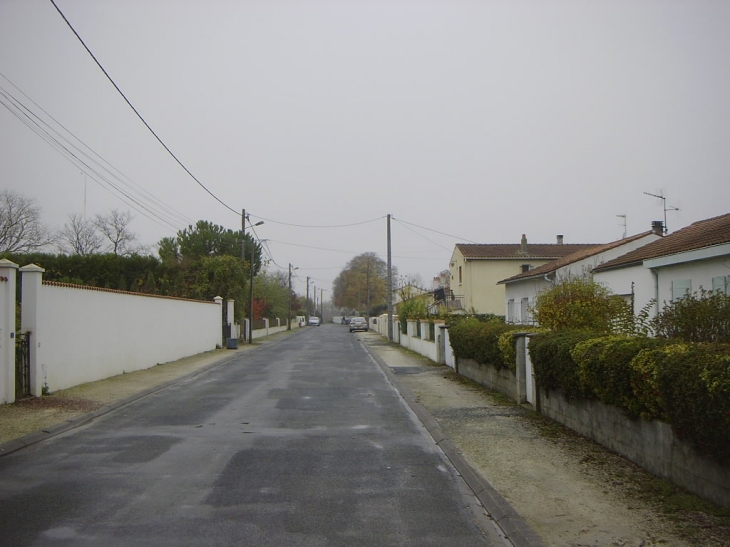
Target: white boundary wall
[[83, 334]]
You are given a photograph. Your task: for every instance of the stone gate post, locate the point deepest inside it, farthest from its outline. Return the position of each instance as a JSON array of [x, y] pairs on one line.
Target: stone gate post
[[8, 272], [30, 320]]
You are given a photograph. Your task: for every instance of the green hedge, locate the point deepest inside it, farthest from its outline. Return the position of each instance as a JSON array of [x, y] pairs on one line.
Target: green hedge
[[604, 368], [553, 364], [689, 387], [477, 340]]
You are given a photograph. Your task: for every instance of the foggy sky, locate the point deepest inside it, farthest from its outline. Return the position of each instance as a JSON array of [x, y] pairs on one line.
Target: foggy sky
[[482, 120]]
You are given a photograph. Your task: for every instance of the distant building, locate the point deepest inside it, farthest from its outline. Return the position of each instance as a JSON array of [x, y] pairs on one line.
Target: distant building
[[476, 269], [522, 289], [693, 258]]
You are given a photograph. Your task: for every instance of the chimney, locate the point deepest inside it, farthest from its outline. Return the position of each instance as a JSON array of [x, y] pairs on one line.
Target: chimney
[[560, 239], [657, 227], [523, 244]]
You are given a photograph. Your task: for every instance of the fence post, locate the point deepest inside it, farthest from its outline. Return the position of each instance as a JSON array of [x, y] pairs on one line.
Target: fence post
[[30, 320], [219, 300], [8, 272]]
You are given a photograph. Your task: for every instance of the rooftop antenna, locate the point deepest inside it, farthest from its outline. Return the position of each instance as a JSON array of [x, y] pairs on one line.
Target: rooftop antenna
[[664, 206], [623, 217]]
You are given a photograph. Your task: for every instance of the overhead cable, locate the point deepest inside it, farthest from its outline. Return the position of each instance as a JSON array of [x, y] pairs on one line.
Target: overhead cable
[[140, 115]]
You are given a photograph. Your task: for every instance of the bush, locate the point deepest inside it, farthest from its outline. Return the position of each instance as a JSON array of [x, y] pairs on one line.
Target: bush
[[689, 387], [604, 367], [553, 364], [698, 317], [507, 344], [581, 304], [473, 339]]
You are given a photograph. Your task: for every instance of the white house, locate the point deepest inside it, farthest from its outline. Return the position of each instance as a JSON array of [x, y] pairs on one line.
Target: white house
[[693, 258], [522, 289]]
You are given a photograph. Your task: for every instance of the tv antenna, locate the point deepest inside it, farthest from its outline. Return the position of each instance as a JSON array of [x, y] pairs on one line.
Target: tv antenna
[[623, 217], [664, 206]]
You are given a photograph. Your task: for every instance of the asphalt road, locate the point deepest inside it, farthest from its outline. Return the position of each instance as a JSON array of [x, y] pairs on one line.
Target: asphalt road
[[300, 443]]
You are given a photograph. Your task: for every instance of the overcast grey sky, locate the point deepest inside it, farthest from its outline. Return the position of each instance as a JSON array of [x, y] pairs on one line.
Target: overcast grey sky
[[479, 119]]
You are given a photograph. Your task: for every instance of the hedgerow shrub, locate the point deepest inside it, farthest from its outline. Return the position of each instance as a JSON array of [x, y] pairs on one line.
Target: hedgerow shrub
[[697, 317], [689, 387], [579, 303], [474, 339], [553, 364], [604, 367], [507, 344]]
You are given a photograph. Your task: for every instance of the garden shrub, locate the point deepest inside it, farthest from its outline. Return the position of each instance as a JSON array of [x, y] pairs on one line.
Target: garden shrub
[[474, 339], [604, 367], [698, 317], [579, 303], [507, 343], [689, 387], [553, 364]]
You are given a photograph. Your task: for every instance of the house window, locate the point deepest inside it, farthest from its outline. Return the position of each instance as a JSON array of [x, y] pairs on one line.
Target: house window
[[721, 284], [511, 310], [460, 275], [681, 288], [525, 268], [525, 311]]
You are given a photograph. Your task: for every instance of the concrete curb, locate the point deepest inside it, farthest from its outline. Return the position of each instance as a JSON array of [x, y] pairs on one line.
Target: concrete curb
[[512, 525]]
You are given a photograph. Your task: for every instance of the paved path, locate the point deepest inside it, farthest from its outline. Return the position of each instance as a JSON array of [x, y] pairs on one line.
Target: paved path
[[303, 443]]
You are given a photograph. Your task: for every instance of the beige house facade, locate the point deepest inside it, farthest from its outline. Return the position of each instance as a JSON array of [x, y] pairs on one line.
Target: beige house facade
[[477, 268]]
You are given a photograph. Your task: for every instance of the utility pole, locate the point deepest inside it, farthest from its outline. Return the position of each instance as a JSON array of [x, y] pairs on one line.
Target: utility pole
[[288, 327], [390, 288], [321, 305], [307, 302], [243, 265]]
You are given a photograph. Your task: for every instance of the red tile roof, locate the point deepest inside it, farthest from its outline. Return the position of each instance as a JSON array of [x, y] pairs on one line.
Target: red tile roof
[[698, 235], [588, 252], [545, 251]]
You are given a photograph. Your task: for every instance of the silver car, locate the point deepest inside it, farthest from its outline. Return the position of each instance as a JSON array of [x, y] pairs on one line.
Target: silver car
[[358, 323]]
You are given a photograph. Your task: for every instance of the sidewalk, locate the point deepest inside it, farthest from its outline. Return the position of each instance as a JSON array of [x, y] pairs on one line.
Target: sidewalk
[[570, 491]]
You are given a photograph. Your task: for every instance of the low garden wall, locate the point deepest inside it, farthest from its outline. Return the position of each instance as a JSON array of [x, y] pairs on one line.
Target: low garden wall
[[650, 444]]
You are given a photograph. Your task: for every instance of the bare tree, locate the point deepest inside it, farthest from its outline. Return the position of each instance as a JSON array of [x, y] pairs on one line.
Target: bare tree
[[21, 230], [115, 228], [79, 237]]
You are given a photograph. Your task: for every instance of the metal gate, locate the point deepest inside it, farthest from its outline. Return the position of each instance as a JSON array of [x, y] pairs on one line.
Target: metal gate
[[22, 364]]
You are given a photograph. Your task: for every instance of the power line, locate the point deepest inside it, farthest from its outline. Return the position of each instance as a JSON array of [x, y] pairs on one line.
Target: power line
[[319, 226], [76, 156], [140, 115], [43, 129], [434, 231]]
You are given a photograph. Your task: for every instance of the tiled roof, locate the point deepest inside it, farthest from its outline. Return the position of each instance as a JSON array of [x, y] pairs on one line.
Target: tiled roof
[[546, 251], [698, 235], [574, 257]]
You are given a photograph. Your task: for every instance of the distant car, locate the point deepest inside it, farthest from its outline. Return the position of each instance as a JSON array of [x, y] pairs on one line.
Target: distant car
[[345, 320], [358, 323], [313, 321]]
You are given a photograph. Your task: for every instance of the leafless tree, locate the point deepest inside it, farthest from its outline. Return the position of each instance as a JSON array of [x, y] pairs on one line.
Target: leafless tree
[[21, 230], [80, 237], [115, 228]]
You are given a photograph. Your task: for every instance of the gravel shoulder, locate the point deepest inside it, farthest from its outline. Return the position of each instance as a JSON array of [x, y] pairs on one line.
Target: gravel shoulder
[[571, 491]]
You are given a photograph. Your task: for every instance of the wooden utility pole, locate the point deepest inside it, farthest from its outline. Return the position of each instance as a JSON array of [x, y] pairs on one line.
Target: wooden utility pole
[[390, 287]]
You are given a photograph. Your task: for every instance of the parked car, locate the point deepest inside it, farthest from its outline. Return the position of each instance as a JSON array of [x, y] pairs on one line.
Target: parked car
[[358, 323], [313, 321]]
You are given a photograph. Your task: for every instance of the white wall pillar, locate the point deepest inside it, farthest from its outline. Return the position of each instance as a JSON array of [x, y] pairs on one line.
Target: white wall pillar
[[8, 272], [229, 311], [30, 321]]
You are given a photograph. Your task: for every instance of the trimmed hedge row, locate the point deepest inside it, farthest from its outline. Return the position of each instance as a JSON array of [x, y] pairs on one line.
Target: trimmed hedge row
[[478, 340], [686, 385]]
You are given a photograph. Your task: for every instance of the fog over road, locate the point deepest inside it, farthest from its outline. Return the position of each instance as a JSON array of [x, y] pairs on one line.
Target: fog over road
[[302, 442]]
